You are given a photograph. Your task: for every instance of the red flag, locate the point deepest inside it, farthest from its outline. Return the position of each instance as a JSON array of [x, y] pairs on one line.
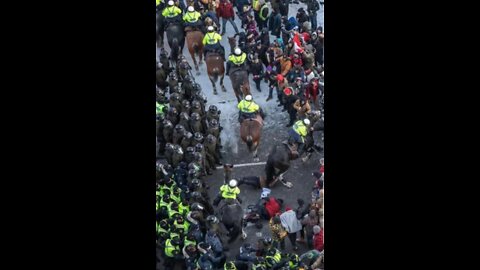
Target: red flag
[[297, 44]]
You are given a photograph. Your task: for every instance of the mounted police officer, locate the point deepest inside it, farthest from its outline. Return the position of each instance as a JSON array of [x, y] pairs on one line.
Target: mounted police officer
[[171, 13], [237, 59], [248, 109], [228, 191], [211, 42], [192, 18]]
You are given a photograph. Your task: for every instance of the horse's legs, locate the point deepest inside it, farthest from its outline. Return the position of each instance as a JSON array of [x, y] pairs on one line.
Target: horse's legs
[[255, 156], [213, 85], [221, 83], [200, 54], [195, 62]]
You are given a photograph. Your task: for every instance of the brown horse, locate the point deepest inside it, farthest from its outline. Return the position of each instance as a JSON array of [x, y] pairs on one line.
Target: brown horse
[[240, 84], [195, 46], [215, 69], [250, 132], [233, 43]]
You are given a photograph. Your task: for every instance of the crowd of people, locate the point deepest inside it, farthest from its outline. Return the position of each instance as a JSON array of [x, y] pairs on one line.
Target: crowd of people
[[189, 233]]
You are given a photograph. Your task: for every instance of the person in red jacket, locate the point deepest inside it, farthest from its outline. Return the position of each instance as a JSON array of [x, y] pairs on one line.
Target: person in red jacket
[[225, 11], [318, 238]]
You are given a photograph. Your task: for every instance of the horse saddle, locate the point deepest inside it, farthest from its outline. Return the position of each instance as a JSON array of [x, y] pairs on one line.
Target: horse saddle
[[253, 117], [191, 29], [293, 148]]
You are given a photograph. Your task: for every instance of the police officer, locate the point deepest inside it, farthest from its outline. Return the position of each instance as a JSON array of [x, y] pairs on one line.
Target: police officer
[[259, 264], [298, 132], [273, 259], [211, 42], [248, 108], [172, 251], [171, 13], [228, 191], [237, 59], [191, 18]]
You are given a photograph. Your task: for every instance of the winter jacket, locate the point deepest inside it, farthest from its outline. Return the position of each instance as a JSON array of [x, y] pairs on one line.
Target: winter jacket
[[215, 242], [256, 69], [318, 240], [285, 65], [301, 18], [290, 222], [272, 207], [308, 223], [289, 101], [225, 10], [301, 110], [277, 230]]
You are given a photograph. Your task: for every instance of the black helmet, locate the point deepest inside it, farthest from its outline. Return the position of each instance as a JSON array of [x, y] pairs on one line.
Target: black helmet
[[175, 96], [188, 135], [196, 195], [267, 241], [182, 165], [166, 197], [184, 115], [213, 109], [167, 123], [179, 219], [197, 87], [197, 206], [213, 219], [259, 260], [204, 246], [271, 252], [172, 111], [213, 122], [230, 266], [178, 149], [196, 104], [192, 172], [198, 137], [294, 258], [196, 182], [174, 205], [199, 147], [176, 241], [179, 127], [185, 102], [197, 156], [211, 138], [164, 224], [162, 99], [195, 116], [190, 149]]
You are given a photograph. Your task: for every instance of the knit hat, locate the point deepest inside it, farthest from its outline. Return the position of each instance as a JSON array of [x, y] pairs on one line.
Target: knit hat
[[316, 229]]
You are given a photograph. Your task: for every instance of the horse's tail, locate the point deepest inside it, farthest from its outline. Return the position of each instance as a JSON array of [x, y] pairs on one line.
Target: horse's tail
[[216, 72], [175, 49], [196, 48], [249, 142]]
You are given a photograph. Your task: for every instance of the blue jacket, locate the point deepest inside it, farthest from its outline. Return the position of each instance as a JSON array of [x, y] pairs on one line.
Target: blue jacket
[[215, 242]]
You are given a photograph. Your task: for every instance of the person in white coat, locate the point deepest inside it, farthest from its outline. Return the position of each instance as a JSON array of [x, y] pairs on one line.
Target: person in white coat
[[291, 224]]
